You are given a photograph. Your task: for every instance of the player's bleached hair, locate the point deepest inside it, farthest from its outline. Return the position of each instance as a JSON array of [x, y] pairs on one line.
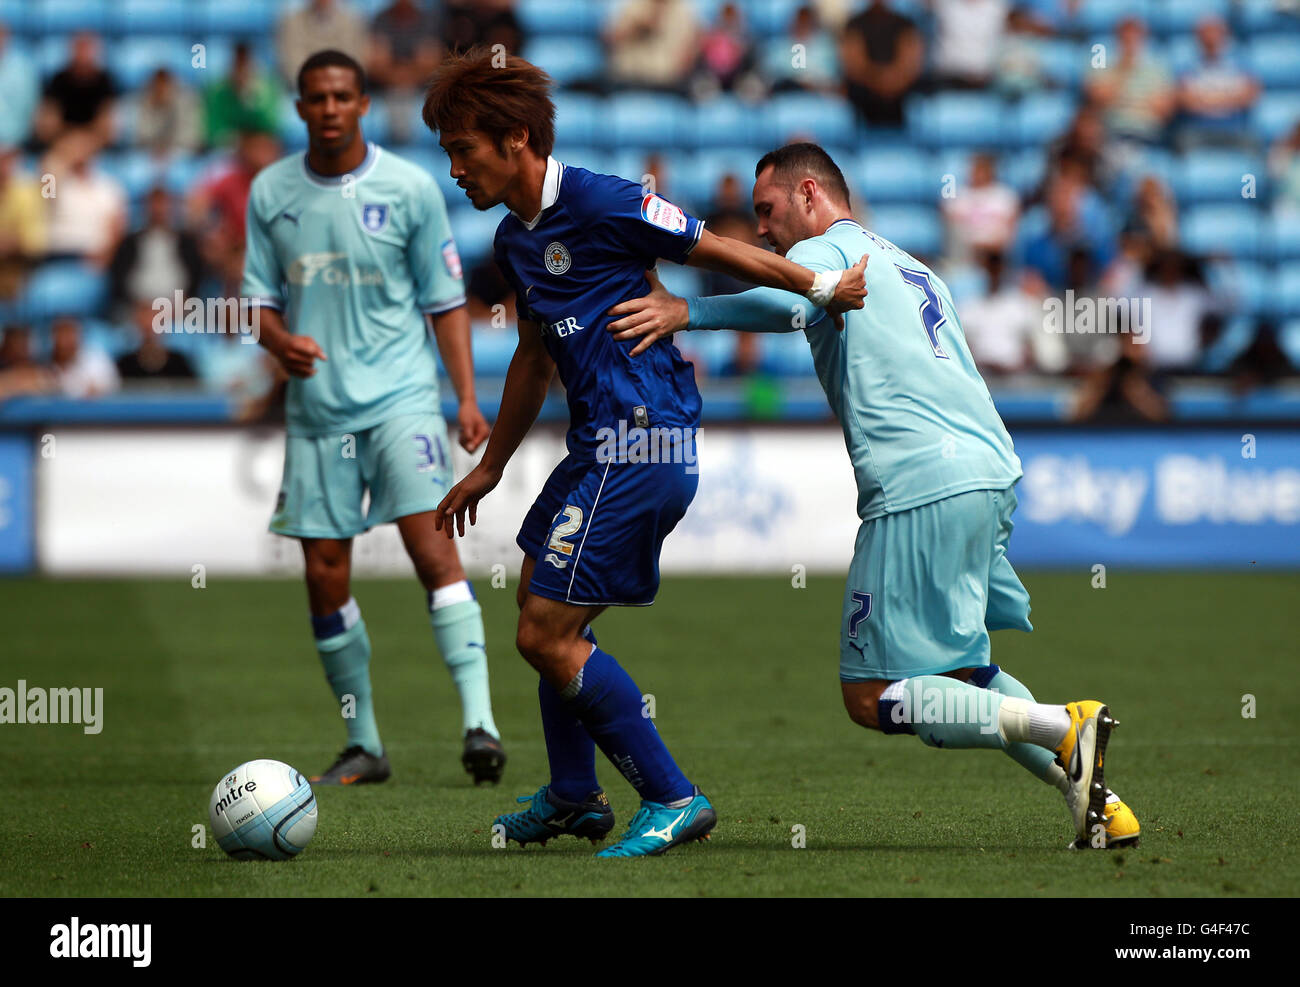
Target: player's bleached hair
[[494, 93], [328, 58], [793, 163]]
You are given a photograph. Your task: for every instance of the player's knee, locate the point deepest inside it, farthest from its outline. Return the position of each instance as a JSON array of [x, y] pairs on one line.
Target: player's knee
[[862, 703], [533, 640], [327, 575]]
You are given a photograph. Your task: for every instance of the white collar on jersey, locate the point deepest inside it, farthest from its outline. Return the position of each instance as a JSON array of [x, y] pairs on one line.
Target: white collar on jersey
[[331, 181], [550, 191], [843, 219]]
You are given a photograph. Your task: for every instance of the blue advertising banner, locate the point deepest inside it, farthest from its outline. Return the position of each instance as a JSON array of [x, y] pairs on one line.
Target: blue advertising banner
[[1158, 499], [16, 521]]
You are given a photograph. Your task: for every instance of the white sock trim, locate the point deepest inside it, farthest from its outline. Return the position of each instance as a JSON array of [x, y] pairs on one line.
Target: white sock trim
[[350, 612], [448, 596]]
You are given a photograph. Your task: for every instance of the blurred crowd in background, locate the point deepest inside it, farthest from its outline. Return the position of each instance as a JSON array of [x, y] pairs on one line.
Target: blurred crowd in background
[[1031, 150]]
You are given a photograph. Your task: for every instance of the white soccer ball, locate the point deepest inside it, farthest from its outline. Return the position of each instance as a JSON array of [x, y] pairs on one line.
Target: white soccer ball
[[263, 810]]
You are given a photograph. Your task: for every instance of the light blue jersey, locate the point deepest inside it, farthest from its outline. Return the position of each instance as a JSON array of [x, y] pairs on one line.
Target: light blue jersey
[[918, 419], [355, 261]]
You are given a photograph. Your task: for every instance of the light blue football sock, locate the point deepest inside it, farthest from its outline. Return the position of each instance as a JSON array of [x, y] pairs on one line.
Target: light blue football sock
[[344, 648], [942, 711], [1039, 761], [457, 623]]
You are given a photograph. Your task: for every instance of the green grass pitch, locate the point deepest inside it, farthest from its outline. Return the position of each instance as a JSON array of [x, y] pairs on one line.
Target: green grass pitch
[[746, 693]]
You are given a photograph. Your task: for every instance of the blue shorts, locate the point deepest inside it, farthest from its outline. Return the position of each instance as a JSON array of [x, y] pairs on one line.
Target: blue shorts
[[596, 529], [927, 585], [404, 463]]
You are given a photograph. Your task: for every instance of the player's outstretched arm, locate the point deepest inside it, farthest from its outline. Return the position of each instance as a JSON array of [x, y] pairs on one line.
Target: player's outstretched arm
[[527, 381], [835, 291], [452, 331]]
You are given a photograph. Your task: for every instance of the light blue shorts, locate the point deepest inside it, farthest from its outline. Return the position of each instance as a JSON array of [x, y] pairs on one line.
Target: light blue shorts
[[927, 585], [404, 462]]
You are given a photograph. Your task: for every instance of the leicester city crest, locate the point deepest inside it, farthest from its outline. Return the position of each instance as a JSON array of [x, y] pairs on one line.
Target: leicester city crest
[[374, 217]]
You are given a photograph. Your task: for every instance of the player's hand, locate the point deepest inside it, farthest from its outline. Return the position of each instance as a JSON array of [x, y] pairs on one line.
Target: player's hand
[[298, 355], [850, 292], [463, 498], [473, 427], [651, 317]]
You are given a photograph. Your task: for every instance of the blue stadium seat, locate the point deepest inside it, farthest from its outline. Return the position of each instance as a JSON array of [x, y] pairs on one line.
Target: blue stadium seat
[[1216, 176], [153, 17], [1286, 289], [578, 117], [1212, 230], [914, 228], [1065, 62], [66, 16], [1241, 285], [786, 354], [893, 175], [251, 18], [1182, 51], [698, 184], [594, 159], [1284, 236], [1171, 16], [1275, 59], [638, 119], [432, 160], [493, 350], [292, 132], [822, 119], [1102, 15], [20, 16], [567, 59], [1276, 114], [133, 59], [1254, 17], [1023, 171], [561, 17], [684, 282], [724, 121], [1043, 116], [962, 119], [64, 288], [475, 231], [49, 53], [770, 18]]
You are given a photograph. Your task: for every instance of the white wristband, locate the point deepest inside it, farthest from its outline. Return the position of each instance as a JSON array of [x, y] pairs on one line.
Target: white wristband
[[823, 287]]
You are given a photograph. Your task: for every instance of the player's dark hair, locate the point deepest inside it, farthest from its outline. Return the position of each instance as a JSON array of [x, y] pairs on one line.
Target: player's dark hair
[[329, 58], [494, 93], [795, 162]]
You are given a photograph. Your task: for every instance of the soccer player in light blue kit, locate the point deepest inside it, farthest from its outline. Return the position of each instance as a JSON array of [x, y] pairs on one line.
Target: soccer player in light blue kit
[[935, 473], [349, 252]]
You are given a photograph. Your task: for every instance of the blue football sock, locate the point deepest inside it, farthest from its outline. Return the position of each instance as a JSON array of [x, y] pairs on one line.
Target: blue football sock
[[604, 697], [344, 648], [569, 747], [1039, 761]]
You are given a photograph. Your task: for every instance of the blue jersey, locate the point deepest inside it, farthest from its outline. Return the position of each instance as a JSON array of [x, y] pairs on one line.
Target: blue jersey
[[587, 250]]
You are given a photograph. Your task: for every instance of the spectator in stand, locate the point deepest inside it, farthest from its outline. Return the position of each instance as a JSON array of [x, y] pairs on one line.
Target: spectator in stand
[[22, 224], [1053, 232], [19, 92], [19, 371], [1004, 326], [168, 116], [79, 96], [1284, 166], [1121, 391], [1179, 306], [1216, 93], [982, 216], [1021, 60], [471, 23], [318, 25], [1135, 90], [805, 59], [87, 208], [1154, 215], [404, 51], [152, 359], [77, 370], [727, 58], [968, 37], [652, 44], [1086, 144], [248, 99], [883, 55], [156, 260], [219, 204]]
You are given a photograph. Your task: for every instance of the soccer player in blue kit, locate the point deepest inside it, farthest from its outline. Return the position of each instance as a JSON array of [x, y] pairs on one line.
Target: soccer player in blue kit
[[349, 252], [935, 471], [575, 244]]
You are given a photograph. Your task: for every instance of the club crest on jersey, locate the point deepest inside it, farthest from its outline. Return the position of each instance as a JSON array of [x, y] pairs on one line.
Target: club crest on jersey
[[451, 258], [558, 259], [662, 213], [374, 217]]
